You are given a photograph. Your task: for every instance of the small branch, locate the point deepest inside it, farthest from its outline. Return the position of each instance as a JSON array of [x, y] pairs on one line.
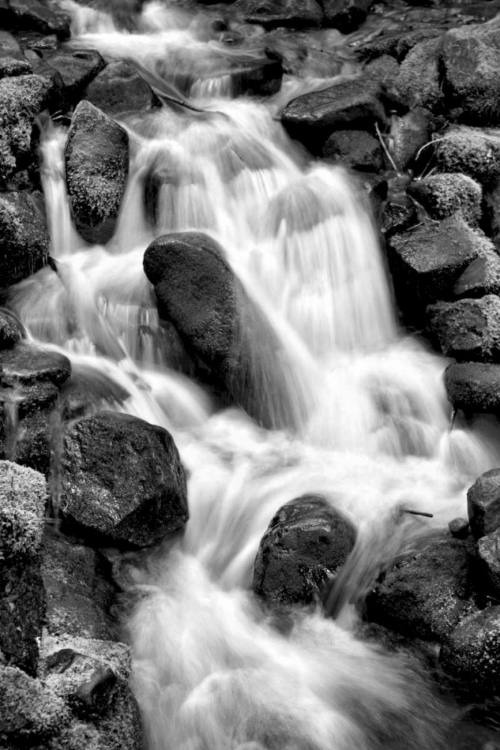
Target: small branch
[[418, 513], [386, 150]]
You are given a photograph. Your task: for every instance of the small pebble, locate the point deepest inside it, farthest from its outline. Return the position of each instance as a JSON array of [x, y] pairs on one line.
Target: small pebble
[[459, 528]]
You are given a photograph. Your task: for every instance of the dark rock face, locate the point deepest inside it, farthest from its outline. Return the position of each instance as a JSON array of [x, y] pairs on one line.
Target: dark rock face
[[488, 549], [346, 15], [11, 332], [473, 387], [306, 543], [12, 60], [468, 329], [472, 151], [293, 14], [77, 69], [483, 504], [481, 277], [471, 57], [398, 216], [77, 588], [25, 240], [472, 651], [97, 156], [409, 134], [459, 528], [418, 83], [443, 195], [122, 480], [29, 364], [263, 78], [33, 15], [119, 88], [348, 104], [355, 149], [491, 208], [427, 591]]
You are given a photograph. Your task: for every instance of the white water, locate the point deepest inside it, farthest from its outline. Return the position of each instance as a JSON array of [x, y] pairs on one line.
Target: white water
[[210, 672]]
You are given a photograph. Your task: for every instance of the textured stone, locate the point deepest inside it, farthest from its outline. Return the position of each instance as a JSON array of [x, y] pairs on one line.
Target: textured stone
[[471, 151], [483, 502], [474, 387], [346, 15], [489, 552], [77, 68], [443, 195], [418, 83], [25, 240], [409, 134], [23, 495], [355, 149], [468, 329], [273, 13], [119, 88]]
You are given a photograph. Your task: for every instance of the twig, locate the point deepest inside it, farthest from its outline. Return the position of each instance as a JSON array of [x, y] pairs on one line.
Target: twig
[[418, 513], [386, 150]]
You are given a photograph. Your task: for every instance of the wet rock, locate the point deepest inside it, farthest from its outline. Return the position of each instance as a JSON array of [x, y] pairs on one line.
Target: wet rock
[[305, 544], [398, 43], [355, 149], [263, 78], [468, 329], [9, 46], [24, 495], [122, 480], [12, 60], [472, 651], [77, 68], [22, 98], [29, 711], [489, 552], [25, 240], [31, 14], [28, 364], [428, 590], [294, 14], [471, 57], [491, 208], [10, 330], [78, 589], [346, 15], [443, 195], [409, 134], [474, 387], [398, 215], [375, 188], [383, 69], [312, 117], [483, 504], [472, 151], [427, 261], [459, 528], [481, 277], [119, 88], [418, 83], [97, 159]]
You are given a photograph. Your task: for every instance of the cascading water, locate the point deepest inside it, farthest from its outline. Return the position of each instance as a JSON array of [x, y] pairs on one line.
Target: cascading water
[[210, 671]]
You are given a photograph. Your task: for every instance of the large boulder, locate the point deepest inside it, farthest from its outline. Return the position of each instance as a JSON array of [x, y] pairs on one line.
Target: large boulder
[[443, 195], [36, 16], [473, 387], [428, 590], [11, 332], [273, 13], [355, 149], [25, 240], [483, 504], [122, 481], [481, 277], [77, 68], [303, 548], [418, 83], [409, 134], [346, 15], [471, 57], [468, 329], [471, 151], [97, 160], [12, 59], [119, 88], [219, 325]]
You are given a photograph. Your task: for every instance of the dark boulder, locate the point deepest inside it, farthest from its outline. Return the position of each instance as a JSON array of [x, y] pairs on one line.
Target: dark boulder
[[346, 15], [468, 329], [77, 68], [383, 69], [481, 277], [398, 215], [119, 88], [472, 151], [12, 60], [312, 117], [355, 149], [473, 387], [428, 590], [35, 16], [303, 548], [471, 653], [11, 332], [483, 504], [418, 83], [398, 42], [409, 134], [122, 480], [25, 240], [459, 528], [293, 14], [263, 77], [488, 549], [28, 364], [491, 209], [97, 160], [443, 195]]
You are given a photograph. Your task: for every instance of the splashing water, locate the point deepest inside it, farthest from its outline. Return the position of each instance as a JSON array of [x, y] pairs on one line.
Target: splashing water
[[210, 671]]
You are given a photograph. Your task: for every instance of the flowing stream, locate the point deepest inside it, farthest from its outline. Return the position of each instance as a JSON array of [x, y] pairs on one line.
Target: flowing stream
[[211, 672]]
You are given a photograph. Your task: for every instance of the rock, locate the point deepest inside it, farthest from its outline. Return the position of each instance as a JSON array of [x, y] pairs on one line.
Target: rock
[[304, 546], [489, 552], [346, 15], [443, 195], [427, 261], [491, 208], [261, 78], [355, 149], [473, 151], [468, 329], [428, 590], [418, 83], [399, 215], [78, 589], [295, 14], [28, 364], [483, 504], [11, 331], [218, 324], [473, 387], [77, 68], [122, 480], [25, 240], [11, 67], [33, 15], [119, 88], [481, 277], [471, 653], [383, 69], [22, 98], [471, 57], [97, 159], [29, 711], [410, 134], [312, 117], [23, 494], [10, 47], [398, 43], [459, 528]]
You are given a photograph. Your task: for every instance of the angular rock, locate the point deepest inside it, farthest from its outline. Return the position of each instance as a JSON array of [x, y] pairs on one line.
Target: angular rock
[[28, 364], [33, 15], [11, 331], [122, 480], [398, 43], [78, 589], [483, 504], [10, 47], [303, 548], [472, 651], [409, 134], [25, 240], [489, 552], [23, 494], [312, 117], [459, 528], [443, 195], [473, 387], [355, 149], [77, 68], [399, 215], [119, 88], [383, 69], [346, 15], [471, 57], [481, 277], [491, 208], [468, 329], [295, 14], [418, 83], [428, 590], [472, 151], [97, 160]]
